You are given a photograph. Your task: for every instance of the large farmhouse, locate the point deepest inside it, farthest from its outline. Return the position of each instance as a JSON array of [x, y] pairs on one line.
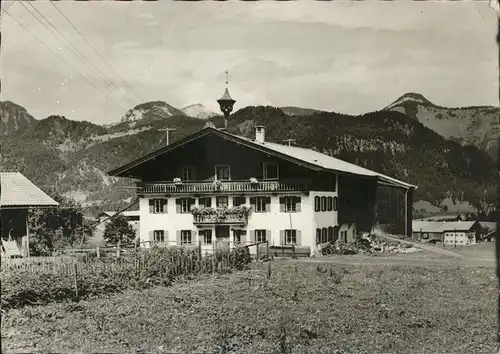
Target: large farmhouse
[[213, 186]]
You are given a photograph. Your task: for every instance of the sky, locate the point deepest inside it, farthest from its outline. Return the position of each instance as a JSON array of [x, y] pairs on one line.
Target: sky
[[347, 57]]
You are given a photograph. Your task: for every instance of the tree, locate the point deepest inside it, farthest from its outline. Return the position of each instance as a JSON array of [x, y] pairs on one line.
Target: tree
[[118, 230], [57, 228]]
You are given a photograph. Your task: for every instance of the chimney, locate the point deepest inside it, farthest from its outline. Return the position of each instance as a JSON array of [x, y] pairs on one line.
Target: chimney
[[260, 133]]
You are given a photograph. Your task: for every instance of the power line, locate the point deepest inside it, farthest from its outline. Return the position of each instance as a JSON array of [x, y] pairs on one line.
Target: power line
[[61, 58], [91, 46], [73, 49]]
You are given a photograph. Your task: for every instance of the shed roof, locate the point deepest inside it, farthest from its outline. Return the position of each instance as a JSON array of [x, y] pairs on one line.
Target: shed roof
[[124, 213], [442, 226], [18, 191]]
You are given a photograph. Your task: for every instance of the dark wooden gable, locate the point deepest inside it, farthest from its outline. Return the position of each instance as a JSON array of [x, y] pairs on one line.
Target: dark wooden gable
[[207, 151]]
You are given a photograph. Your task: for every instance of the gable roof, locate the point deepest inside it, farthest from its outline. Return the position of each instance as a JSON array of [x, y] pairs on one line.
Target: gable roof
[[18, 191], [306, 157], [128, 213], [442, 226]]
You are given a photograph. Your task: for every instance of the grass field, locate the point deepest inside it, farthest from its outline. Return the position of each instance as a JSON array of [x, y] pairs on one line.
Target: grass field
[[302, 308]]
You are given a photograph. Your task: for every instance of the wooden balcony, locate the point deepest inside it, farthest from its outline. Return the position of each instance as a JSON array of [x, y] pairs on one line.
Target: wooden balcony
[[209, 187]]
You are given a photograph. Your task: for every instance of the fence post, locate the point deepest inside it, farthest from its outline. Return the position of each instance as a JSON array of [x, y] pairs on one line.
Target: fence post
[[199, 255], [98, 252], [257, 254], [267, 249], [269, 270], [76, 279], [293, 251]]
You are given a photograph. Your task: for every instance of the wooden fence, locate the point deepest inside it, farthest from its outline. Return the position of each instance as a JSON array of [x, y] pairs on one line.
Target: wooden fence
[[120, 259]]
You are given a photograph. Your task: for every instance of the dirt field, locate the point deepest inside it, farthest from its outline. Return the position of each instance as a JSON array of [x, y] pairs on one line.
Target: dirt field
[[303, 308]]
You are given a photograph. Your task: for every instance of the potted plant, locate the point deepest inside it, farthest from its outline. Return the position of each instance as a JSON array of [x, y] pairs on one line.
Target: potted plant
[[177, 181], [254, 181]]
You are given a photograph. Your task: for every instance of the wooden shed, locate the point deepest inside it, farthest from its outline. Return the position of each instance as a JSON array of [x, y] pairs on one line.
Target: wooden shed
[[17, 196]]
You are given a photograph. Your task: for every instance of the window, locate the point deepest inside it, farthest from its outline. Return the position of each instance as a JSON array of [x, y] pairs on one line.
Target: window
[[290, 237], [159, 236], [187, 173], [260, 236], [205, 202], [184, 205], [222, 172], [324, 235], [270, 170], [318, 236], [260, 204], [317, 205], [290, 204], [239, 236], [206, 236], [330, 234], [222, 202], [158, 206], [237, 201], [185, 237], [335, 203], [323, 203], [329, 204]]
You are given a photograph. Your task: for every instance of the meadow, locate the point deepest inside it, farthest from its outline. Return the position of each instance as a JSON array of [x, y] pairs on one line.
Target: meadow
[[282, 306]]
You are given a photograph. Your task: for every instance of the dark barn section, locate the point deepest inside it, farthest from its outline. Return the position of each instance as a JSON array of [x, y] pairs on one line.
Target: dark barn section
[[357, 198], [393, 209]]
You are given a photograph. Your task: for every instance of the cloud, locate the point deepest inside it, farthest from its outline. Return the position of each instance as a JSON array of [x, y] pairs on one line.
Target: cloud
[[348, 57]]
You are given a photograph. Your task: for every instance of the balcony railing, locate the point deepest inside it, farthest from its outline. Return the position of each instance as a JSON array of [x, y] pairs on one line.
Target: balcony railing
[[224, 186]]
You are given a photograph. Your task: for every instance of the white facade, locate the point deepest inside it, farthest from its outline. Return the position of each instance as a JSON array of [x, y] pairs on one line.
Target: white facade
[[170, 224], [459, 237]]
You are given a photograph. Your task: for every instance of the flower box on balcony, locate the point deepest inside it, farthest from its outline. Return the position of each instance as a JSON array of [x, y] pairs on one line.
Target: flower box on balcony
[[237, 214]]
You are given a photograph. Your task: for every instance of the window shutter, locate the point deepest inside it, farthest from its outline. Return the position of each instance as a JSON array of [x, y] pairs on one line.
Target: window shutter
[[268, 236], [208, 202], [298, 205], [316, 203], [178, 236], [151, 235], [318, 236], [243, 238], [164, 206], [282, 237], [193, 237], [252, 236], [268, 204], [151, 206], [165, 233], [335, 203], [178, 206], [252, 203], [299, 237], [282, 204], [192, 203]]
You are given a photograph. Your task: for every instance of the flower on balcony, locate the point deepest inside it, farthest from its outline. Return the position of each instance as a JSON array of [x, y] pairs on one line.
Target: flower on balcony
[[177, 181], [253, 180], [217, 185], [220, 214]]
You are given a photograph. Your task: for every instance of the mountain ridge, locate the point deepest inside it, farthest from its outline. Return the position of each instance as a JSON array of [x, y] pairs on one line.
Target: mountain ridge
[[76, 155]]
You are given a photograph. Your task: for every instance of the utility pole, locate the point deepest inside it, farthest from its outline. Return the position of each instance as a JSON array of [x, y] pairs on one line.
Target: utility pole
[[167, 132], [289, 141]]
